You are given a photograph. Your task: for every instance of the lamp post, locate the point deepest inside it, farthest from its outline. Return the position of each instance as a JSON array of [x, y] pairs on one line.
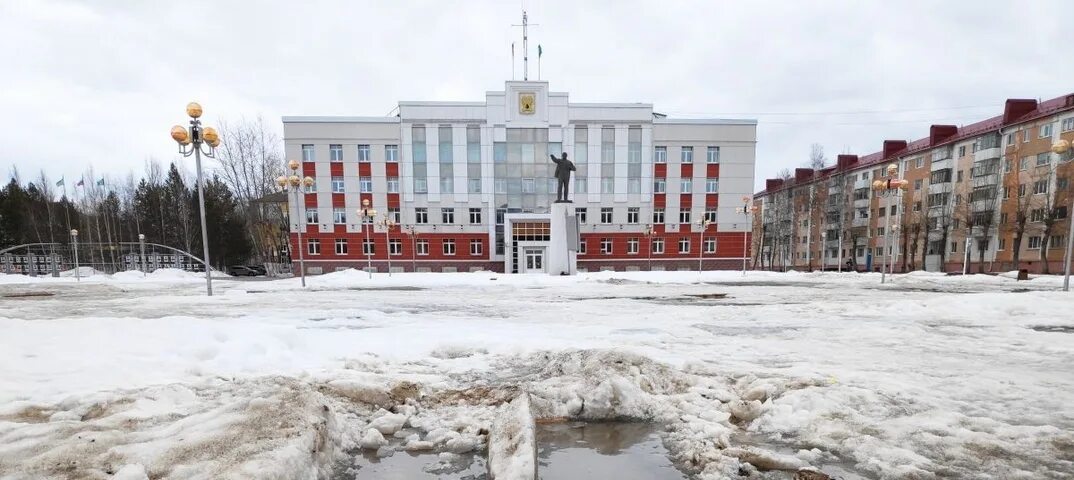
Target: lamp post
[[191, 142], [966, 254], [839, 240], [141, 247], [747, 211], [74, 243], [648, 232], [1061, 147], [823, 250], [367, 214], [703, 223], [888, 187], [894, 253], [413, 232], [387, 223], [293, 186]]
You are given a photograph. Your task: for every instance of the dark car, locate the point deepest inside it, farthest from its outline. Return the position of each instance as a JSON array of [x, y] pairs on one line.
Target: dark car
[[244, 271]]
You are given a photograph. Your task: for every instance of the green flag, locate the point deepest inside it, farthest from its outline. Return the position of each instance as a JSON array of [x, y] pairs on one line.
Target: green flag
[[60, 183]]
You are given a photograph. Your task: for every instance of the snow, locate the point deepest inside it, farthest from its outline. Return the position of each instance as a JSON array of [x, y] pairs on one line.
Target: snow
[[926, 376]]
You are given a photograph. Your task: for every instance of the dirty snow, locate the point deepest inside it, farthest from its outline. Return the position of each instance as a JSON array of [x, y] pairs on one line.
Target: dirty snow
[[928, 376]]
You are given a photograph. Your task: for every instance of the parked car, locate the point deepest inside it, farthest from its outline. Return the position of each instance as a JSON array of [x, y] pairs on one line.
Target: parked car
[[244, 271]]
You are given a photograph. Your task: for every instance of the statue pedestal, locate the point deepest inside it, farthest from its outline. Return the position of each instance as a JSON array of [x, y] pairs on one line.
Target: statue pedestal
[[563, 240]]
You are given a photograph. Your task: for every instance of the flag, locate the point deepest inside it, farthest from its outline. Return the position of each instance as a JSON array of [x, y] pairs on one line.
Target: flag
[[539, 51], [100, 182], [60, 183], [81, 182]]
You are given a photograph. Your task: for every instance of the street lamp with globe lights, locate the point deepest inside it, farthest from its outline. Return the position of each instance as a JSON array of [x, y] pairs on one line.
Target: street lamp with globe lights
[[703, 224], [648, 232], [198, 141], [293, 185], [413, 232], [748, 211], [1061, 147], [74, 244], [388, 224], [888, 187], [366, 213]]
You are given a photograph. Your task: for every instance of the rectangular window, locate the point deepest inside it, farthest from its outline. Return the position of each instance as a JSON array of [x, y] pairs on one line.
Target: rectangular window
[[1003, 218], [1040, 187], [660, 154], [580, 185], [1056, 241], [445, 144], [391, 153], [335, 153], [421, 215], [447, 215], [313, 246], [1025, 135], [307, 153], [499, 152], [311, 215], [607, 185], [581, 212], [880, 231], [422, 246], [958, 176], [473, 185], [686, 185], [395, 214], [1036, 215], [529, 185], [658, 216], [632, 246], [368, 247], [1046, 130], [365, 184], [606, 246], [341, 246], [337, 184], [500, 185], [1010, 139], [449, 247], [1034, 242], [581, 246], [684, 216], [962, 151], [660, 185], [1008, 166], [633, 185], [632, 214], [363, 154], [658, 246], [473, 144], [1067, 125], [1022, 190], [393, 184], [710, 245], [686, 155], [311, 188], [1044, 158], [395, 247], [712, 185], [475, 247], [634, 145], [684, 245], [1002, 241], [917, 184], [475, 216], [954, 248], [712, 155], [919, 162], [917, 206], [339, 215], [607, 145], [1062, 184], [606, 214], [421, 185], [447, 185], [710, 215]]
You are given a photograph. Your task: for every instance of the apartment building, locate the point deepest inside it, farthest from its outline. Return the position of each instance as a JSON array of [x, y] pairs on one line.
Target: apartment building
[[989, 196], [469, 185]]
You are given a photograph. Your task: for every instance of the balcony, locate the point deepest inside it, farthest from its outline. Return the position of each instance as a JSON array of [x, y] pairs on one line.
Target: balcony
[[941, 164], [859, 222], [987, 154]]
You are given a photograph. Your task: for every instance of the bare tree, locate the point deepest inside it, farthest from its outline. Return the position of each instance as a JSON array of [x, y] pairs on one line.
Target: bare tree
[[250, 161], [817, 160]]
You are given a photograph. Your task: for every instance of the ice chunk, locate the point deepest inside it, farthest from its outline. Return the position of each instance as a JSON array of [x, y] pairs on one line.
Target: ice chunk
[[388, 423], [372, 440], [133, 471]]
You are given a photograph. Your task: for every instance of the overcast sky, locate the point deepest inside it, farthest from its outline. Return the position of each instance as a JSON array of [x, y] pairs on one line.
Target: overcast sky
[[99, 83]]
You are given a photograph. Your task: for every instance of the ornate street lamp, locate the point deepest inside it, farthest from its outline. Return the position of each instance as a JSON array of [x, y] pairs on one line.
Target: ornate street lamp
[[74, 243], [413, 232], [703, 224], [748, 211], [888, 187], [1061, 147], [648, 232], [198, 141], [387, 223], [293, 186], [367, 214], [141, 246]]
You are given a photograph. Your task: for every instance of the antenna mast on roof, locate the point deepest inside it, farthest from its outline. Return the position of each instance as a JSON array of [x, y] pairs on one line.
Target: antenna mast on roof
[[525, 46]]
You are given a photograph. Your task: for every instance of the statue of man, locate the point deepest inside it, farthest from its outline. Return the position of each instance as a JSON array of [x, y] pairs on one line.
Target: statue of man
[[564, 168]]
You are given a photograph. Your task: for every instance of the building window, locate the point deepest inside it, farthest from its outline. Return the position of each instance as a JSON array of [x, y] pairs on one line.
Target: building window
[[475, 247], [393, 184], [607, 185], [712, 185], [606, 246], [658, 216], [421, 185], [879, 232], [605, 214], [1034, 242], [445, 152], [687, 155], [1046, 130], [1036, 215], [363, 153], [686, 185], [1055, 241], [473, 144], [528, 185], [1003, 218], [311, 188], [395, 247], [447, 185], [395, 215], [1067, 125], [660, 155], [307, 153], [632, 214], [917, 184], [684, 216], [313, 246], [919, 162], [335, 153], [1062, 184], [421, 215], [1044, 158], [1010, 139], [658, 246], [500, 185], [1002, 241], [311, 215], [660, 185], [580, 186], [473, 185], [917, 206], [447, 215], [632, 246], [710, 245], [633, 185], [580, 212], [1022, 190], [962, 151], [634, 145], [422, 246], [391, 153], [337, 184], [712, 155], [684, 245], [710, 215], [365, 184], [339, 215], [500, 214], [1040, 187], [341, 246], [449, 247], [581, 246]]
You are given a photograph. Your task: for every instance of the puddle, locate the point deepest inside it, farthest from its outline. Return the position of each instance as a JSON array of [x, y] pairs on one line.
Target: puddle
[[836, 467], [410, 466], [623, 451], [1053, 328]]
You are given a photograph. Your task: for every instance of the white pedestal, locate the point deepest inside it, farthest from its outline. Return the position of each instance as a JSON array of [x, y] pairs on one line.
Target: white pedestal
[[563, 240]]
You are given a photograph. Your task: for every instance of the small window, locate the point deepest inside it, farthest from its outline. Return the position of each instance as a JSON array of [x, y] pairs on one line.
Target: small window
[[1040, 187], [710, 215], [1034, 242], [1046, 130], [473, 185], [712, 155], [449, 247], [337, 184], [660, 185], [581, 247], [529, 185], [311, 215], [447, 215], [475, 216], [686, 185], [962, 151], [658, 246], [363, 153], [581, 212], [632, 246], [919, 162], [712, 185], [335, 153], [395, 214], [606, 215], [365, 184], [313, 246], [475, 247], [393, 184], [421, 215], [341, 246], [391, 153], [368, 247], [606, 246], [395, 247], [1067, 125], [307, 153], [447, 185], [632, 214], [687, 155], [339, 215], [1044, 158], [660, 155], [421, 185], [658, 216], [607, 185], [710, 245], [684, 216], [684, 245], [422, 246]]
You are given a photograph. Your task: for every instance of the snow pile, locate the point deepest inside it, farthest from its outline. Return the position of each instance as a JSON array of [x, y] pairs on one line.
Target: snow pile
[[513, 442]]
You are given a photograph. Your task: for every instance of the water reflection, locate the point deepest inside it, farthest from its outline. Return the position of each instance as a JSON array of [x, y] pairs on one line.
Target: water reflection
[[624, 451]]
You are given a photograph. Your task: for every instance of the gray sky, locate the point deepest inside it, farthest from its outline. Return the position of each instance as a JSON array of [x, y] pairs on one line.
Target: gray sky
[[99, 83]]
